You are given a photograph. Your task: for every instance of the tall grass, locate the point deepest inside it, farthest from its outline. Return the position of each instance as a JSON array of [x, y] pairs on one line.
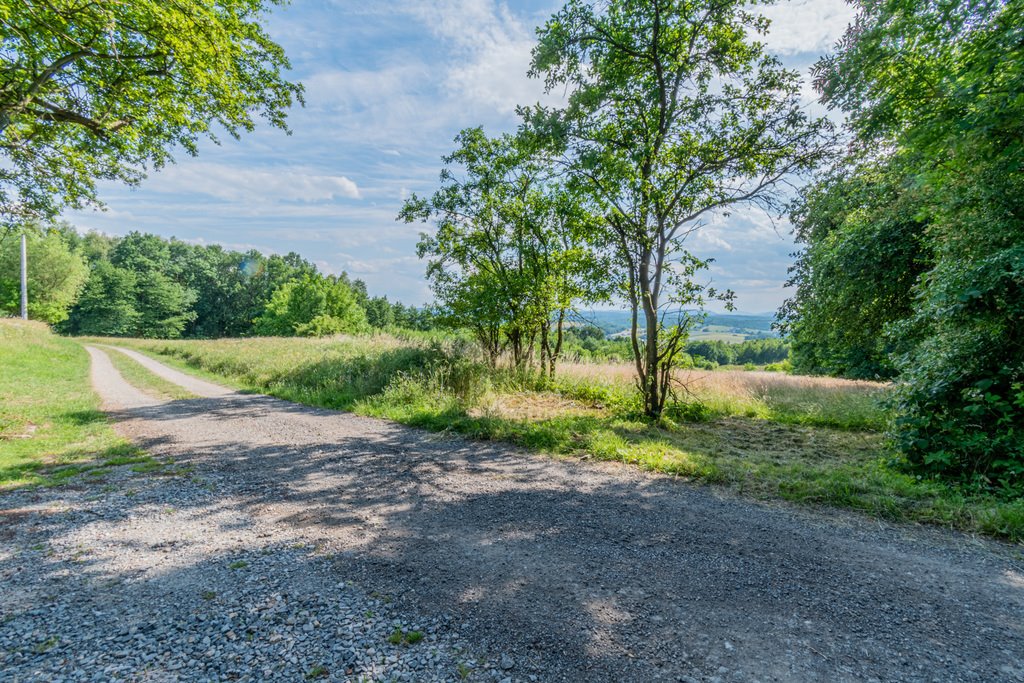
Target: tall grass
[[711, 394], [810, 440]]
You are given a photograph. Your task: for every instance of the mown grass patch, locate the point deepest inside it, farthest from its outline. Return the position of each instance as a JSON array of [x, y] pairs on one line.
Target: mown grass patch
[[806, 440], [51, 428], [139, 376]]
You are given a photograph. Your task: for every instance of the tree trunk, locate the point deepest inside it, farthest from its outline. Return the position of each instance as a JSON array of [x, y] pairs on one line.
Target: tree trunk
[[559, 338], [545, 348], [650, 387]]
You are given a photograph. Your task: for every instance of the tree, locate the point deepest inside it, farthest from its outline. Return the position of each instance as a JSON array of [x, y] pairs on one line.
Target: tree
[[507, 256], [104, 90], [674, 113], [936, 87], [264, 275], [413, 318], [107, 304], [379, 312], [175, 288], [866, 249], [163, 304], [56, 275], [312, 306]]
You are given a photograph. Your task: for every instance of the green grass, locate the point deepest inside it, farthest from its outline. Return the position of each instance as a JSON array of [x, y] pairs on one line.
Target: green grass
[[51, 428], [318, 671], [142, 378], [766, 435], [400, 637]]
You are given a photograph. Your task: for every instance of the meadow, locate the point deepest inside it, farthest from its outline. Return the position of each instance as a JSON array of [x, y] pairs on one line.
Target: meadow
[[51, 427], [766, 435]]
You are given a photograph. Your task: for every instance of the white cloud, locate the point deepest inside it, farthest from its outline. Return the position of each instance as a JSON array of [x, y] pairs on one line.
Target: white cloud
[[490, 51], [236, 184], [802, 26], [348, 91], [708, 239]]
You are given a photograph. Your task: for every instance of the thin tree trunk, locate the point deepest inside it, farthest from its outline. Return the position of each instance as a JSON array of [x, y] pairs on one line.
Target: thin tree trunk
[[559, 338], [654, 401]]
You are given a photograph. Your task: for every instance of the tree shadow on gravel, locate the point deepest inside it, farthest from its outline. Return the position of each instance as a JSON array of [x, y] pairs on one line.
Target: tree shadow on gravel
[[576, 573]]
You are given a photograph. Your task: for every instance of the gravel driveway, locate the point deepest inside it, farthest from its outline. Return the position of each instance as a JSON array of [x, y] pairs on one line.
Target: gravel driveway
[[290, 543]]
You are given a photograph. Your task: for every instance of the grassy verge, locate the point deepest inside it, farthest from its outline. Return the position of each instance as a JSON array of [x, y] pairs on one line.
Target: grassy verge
[[51, 428], [806, 440], [137, 375]]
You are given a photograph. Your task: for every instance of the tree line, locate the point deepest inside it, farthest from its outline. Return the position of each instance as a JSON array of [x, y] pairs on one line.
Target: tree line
[[913, 260], [589, 343], [143, 285]]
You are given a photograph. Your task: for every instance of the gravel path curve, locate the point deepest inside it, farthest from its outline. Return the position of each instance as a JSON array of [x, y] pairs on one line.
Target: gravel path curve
[[292, 542]]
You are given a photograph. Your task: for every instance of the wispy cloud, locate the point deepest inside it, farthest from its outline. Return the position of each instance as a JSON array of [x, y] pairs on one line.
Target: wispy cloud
[[490, 50], [232, 184]]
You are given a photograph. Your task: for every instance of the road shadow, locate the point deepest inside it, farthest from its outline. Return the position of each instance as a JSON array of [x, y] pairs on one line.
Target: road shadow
[[574, 570]]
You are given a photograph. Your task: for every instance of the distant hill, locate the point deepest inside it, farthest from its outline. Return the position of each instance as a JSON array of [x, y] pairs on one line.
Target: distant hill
[[734, 327]]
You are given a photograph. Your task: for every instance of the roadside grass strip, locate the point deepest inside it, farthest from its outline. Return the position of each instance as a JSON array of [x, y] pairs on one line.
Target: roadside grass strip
[[51, 428]]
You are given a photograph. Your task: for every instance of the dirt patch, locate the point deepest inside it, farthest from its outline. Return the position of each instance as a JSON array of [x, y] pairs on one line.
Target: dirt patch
[[532, 406]]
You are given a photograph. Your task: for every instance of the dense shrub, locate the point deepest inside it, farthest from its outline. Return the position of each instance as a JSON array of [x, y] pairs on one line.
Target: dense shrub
[[960, 398]]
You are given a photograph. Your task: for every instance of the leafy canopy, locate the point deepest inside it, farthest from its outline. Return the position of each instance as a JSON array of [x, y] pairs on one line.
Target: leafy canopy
[[312, 306], [675, 113], [105, 90], [508, 254], [934, 88], [865, 249], [56, 275]]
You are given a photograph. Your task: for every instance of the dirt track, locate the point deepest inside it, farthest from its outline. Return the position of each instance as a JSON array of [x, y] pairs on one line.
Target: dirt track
[[569, 571]]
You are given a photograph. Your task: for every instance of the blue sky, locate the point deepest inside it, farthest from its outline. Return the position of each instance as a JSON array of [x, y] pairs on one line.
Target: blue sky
[[388, 86]]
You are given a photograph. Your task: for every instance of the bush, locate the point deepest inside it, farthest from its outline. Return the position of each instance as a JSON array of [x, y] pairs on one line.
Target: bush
[[960, 398], [689, 411]]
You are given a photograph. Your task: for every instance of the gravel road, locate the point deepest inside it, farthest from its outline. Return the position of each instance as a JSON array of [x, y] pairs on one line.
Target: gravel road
[[289, 543]]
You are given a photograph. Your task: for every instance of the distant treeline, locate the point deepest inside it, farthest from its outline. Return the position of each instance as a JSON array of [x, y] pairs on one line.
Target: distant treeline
[[754, 351], [612, 321], [589, 343], [143, 285]]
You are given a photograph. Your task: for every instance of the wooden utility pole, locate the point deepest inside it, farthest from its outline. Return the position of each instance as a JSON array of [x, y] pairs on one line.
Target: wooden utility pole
[[24, 278]]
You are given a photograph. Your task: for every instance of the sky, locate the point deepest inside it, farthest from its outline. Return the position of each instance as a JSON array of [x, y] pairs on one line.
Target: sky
[[388, 86]]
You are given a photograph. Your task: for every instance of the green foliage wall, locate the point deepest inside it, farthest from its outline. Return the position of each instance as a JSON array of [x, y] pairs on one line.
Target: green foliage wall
[[932, 92], [144, 285], [56, 274], [107, 90], [312, 306], [865, 248]]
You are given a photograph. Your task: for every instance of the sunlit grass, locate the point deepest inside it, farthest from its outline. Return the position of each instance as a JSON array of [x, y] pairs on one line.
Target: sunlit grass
[[51, 427], [142, 378], [821, 401]]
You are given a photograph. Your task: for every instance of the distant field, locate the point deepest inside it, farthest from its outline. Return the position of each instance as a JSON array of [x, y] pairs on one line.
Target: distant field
[[713, 333], [715, 327], [725, 333], [809, 440]]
